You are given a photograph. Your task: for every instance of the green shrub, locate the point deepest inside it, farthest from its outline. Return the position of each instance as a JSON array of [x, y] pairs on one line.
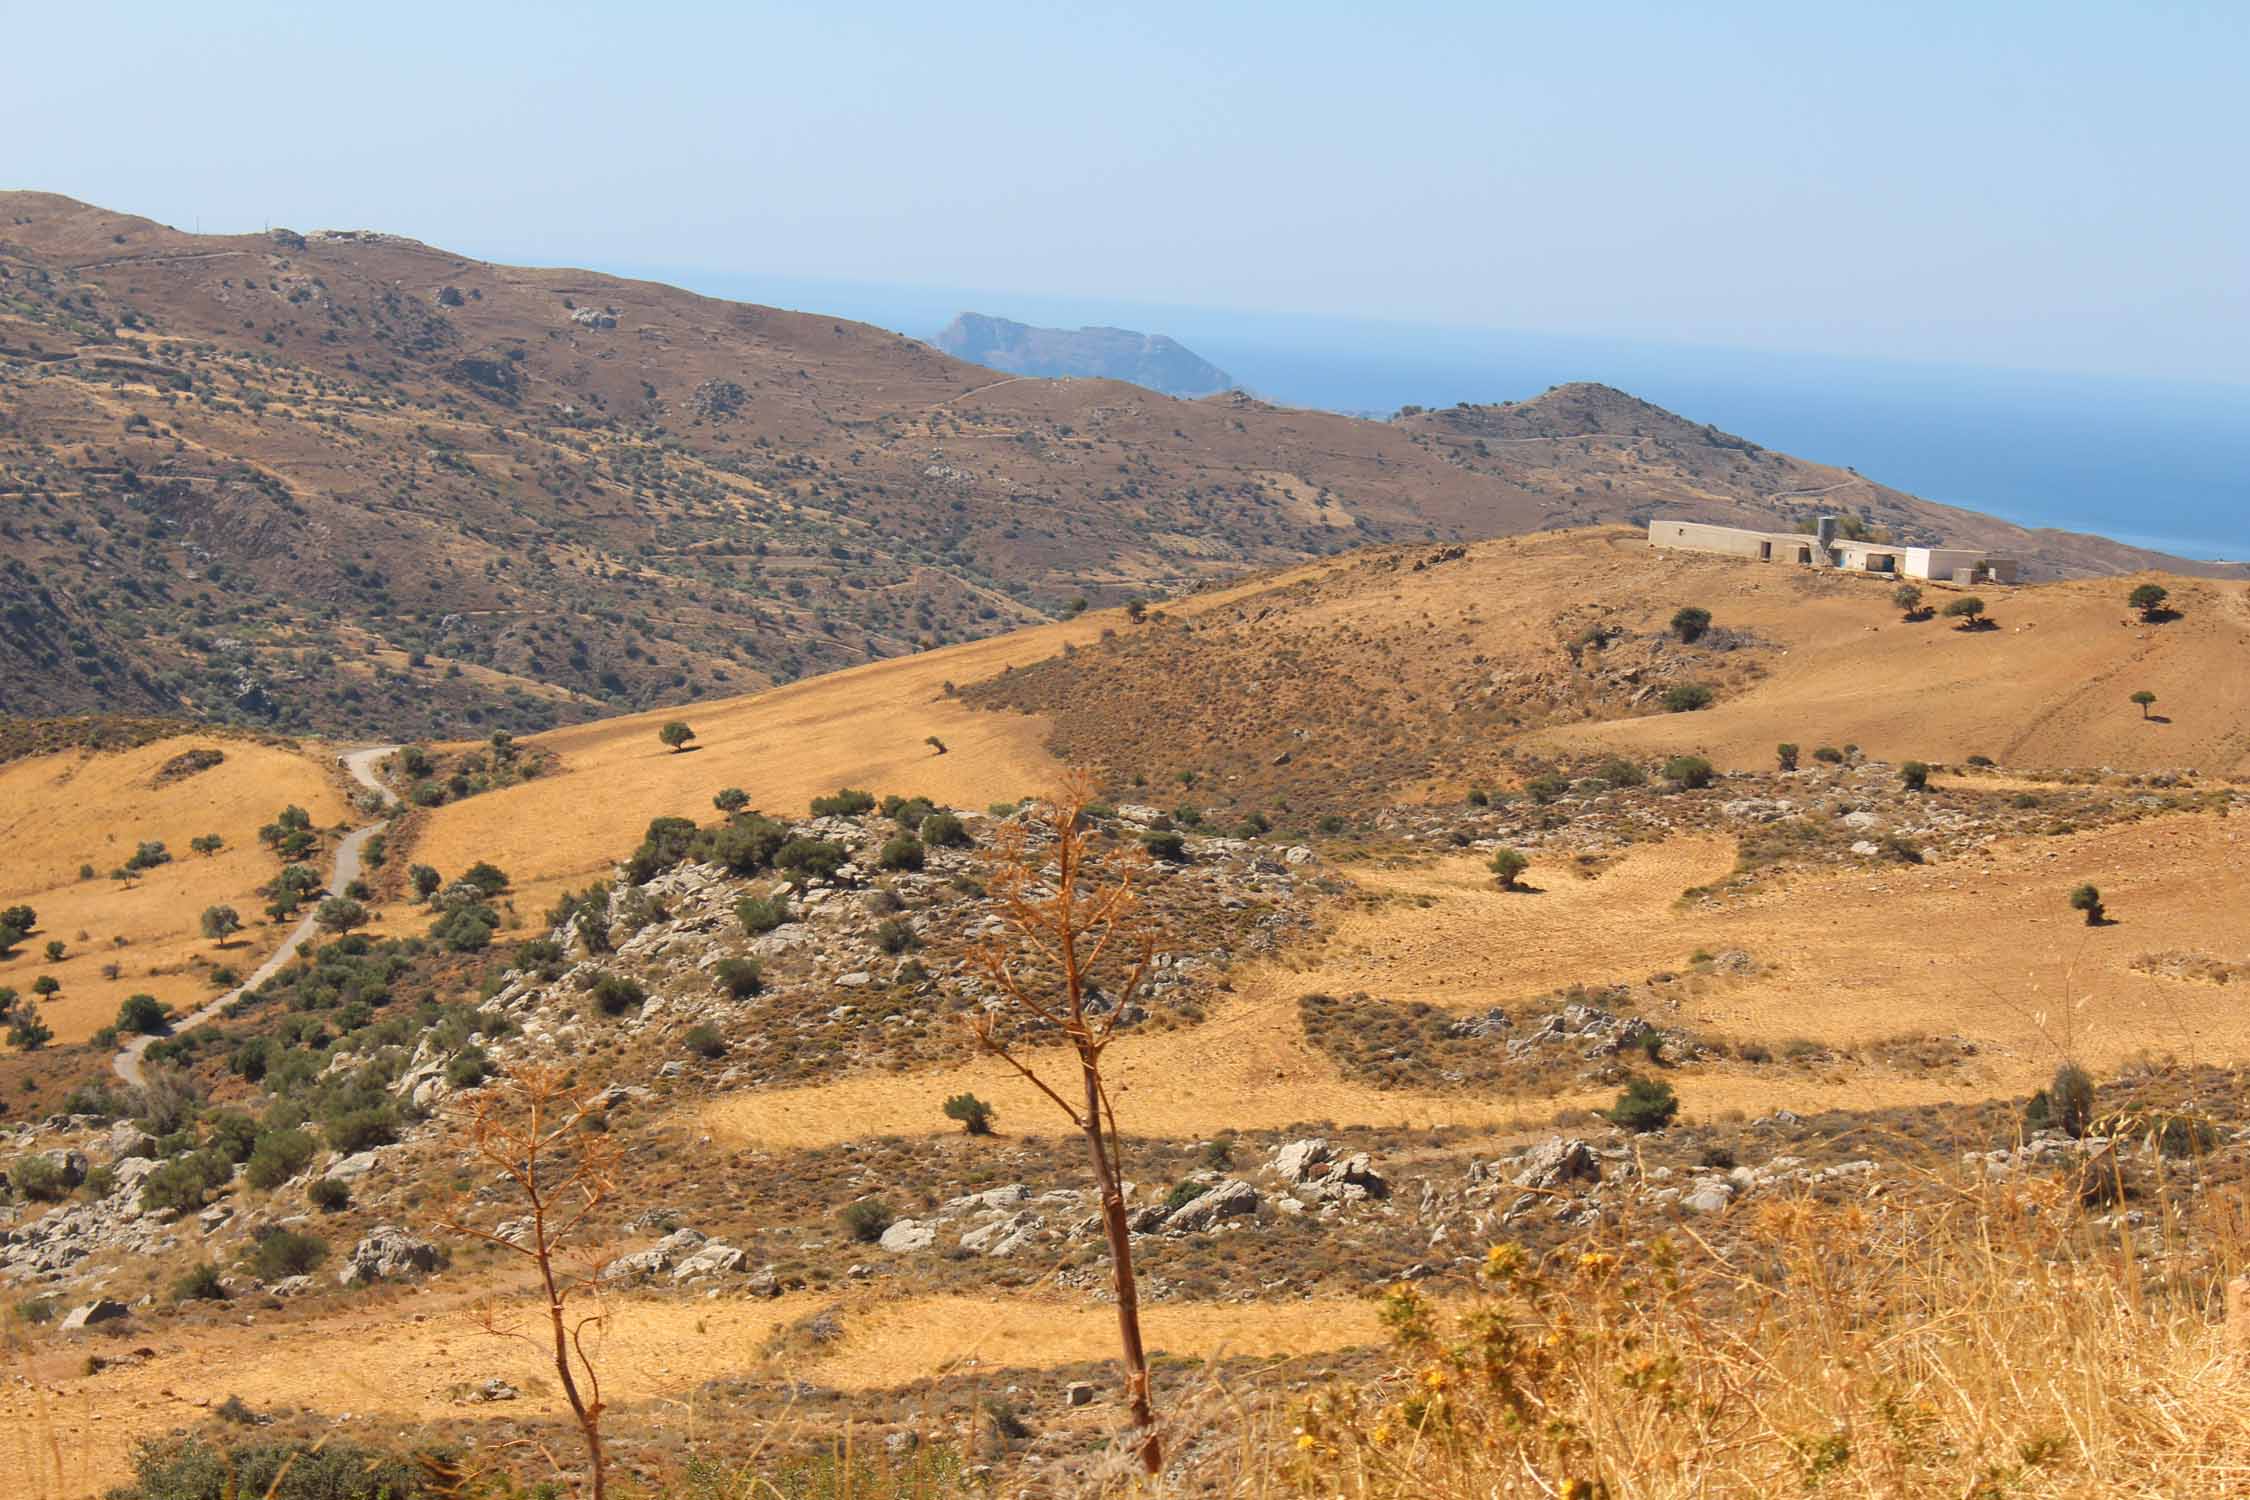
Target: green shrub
[[285, 1252], [974, 1114], [469, 1067], [1546, 787], [1690, 622], [199, 1284], [903, 853], [1829, 755], [1166, 845], [1688, 771], [847, 802], [2070, 1100], [356, 1130], [277, 1157], [231, 1133], [1509, 865], [143, 1015], [946, 830], [866, 1219], [731, 800], [1785, 754], [614, 994], [1686, 697], [40, 1178], [1915, 776], [193, 1469], [2088, 899], [1644, 1104], [760, 914], [896, 935], [184, 1182], [329, 1194], [1620, 772], [739, 977], [703, 1040], [806, 860]]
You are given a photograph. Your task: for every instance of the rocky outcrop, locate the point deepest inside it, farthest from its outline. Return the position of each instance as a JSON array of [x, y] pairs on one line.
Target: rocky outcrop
[[388, 1253], [1231, 1199]]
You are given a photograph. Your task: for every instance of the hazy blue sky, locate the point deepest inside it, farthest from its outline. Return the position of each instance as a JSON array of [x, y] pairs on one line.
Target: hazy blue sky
[[2041, 185]]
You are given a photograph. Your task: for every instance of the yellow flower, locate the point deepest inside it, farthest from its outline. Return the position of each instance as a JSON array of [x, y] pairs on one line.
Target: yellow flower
[[1306, 1442], [1597, 1263], [1381, 1434], [1434, 1378]]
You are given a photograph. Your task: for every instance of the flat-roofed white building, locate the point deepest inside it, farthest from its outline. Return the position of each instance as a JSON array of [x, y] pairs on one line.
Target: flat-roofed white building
[[1825, 549]]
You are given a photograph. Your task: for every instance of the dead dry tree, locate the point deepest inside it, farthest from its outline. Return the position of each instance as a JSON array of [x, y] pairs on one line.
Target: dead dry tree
[[1074, 948], [530, 1130]]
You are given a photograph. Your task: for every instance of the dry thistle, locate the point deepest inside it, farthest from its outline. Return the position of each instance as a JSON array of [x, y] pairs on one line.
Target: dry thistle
[[1075, 930], [526, 1130]]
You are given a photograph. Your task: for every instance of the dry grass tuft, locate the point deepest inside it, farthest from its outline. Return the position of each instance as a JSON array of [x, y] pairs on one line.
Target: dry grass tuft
[[2002, 1346]]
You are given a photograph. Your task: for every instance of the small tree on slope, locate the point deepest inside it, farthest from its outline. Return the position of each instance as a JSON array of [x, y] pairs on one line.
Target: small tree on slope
[[1073, 919]]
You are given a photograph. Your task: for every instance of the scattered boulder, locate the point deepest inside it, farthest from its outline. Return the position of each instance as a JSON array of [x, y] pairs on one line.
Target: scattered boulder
[[1297, 1159], [1004, 1236], [100, 1310], [1555, 1161], [387, 1253], [908, 1235], [711, 1260], [1229, 1199]]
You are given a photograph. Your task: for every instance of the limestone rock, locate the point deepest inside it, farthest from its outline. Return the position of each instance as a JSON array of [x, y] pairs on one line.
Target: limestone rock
[[1229, 1199], [386, 1253]]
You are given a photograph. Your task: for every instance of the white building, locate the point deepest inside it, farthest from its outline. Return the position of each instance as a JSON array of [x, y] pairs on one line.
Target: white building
[[1825, 549]]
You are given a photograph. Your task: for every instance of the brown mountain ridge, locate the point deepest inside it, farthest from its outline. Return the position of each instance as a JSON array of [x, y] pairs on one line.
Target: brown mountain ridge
[[350, 483]]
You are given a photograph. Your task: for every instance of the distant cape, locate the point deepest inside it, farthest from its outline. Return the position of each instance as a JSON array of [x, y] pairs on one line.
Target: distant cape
[[1150, 359]]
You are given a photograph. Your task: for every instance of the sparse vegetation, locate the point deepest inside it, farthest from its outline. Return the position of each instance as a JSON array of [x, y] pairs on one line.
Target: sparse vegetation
[[975, 1115]]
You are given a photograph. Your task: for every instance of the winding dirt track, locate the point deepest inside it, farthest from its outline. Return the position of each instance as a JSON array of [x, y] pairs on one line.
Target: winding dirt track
[[361, 764]]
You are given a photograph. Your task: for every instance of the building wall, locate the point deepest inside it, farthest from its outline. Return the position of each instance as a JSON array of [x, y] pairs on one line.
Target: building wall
[[1939, 563], [1733, 541]]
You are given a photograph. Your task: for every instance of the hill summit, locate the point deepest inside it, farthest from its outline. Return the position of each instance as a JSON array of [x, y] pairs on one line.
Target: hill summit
[[1150, 359]]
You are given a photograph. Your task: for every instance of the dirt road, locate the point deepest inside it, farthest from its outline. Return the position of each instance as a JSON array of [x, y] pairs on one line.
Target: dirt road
[[361, 764]]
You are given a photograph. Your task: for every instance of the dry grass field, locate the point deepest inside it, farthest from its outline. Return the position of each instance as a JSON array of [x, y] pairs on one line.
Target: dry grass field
[[59, 812], [411, 1360], [1987, 952]]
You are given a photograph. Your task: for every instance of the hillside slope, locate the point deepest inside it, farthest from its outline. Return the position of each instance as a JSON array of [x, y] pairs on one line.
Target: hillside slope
[[351, 483], [1409, 671]]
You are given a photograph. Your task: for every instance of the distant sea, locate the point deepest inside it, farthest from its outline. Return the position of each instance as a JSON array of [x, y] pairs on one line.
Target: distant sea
[[2157, 464]]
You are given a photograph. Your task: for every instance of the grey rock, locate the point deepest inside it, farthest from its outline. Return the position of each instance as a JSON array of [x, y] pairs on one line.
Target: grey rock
[[1004, 1236], [711, 1260], [387, 1253], [1555, 1161], [1297, 1159], [1229, 1199], [908, 1235], [1708, 1196], [100, 1310]]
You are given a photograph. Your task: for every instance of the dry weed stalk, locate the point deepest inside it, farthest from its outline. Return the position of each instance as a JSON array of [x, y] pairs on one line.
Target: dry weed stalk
[[527, 1129], [1072, 911]]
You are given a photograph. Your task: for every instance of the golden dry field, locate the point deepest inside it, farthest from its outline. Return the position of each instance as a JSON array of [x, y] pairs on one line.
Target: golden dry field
[[59, 812]]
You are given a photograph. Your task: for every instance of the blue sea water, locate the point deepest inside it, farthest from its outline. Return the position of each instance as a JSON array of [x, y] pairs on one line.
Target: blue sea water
[[2158, 464]]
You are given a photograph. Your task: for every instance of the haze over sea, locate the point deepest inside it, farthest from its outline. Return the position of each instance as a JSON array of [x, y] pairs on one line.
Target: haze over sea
[[2158, 464]]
